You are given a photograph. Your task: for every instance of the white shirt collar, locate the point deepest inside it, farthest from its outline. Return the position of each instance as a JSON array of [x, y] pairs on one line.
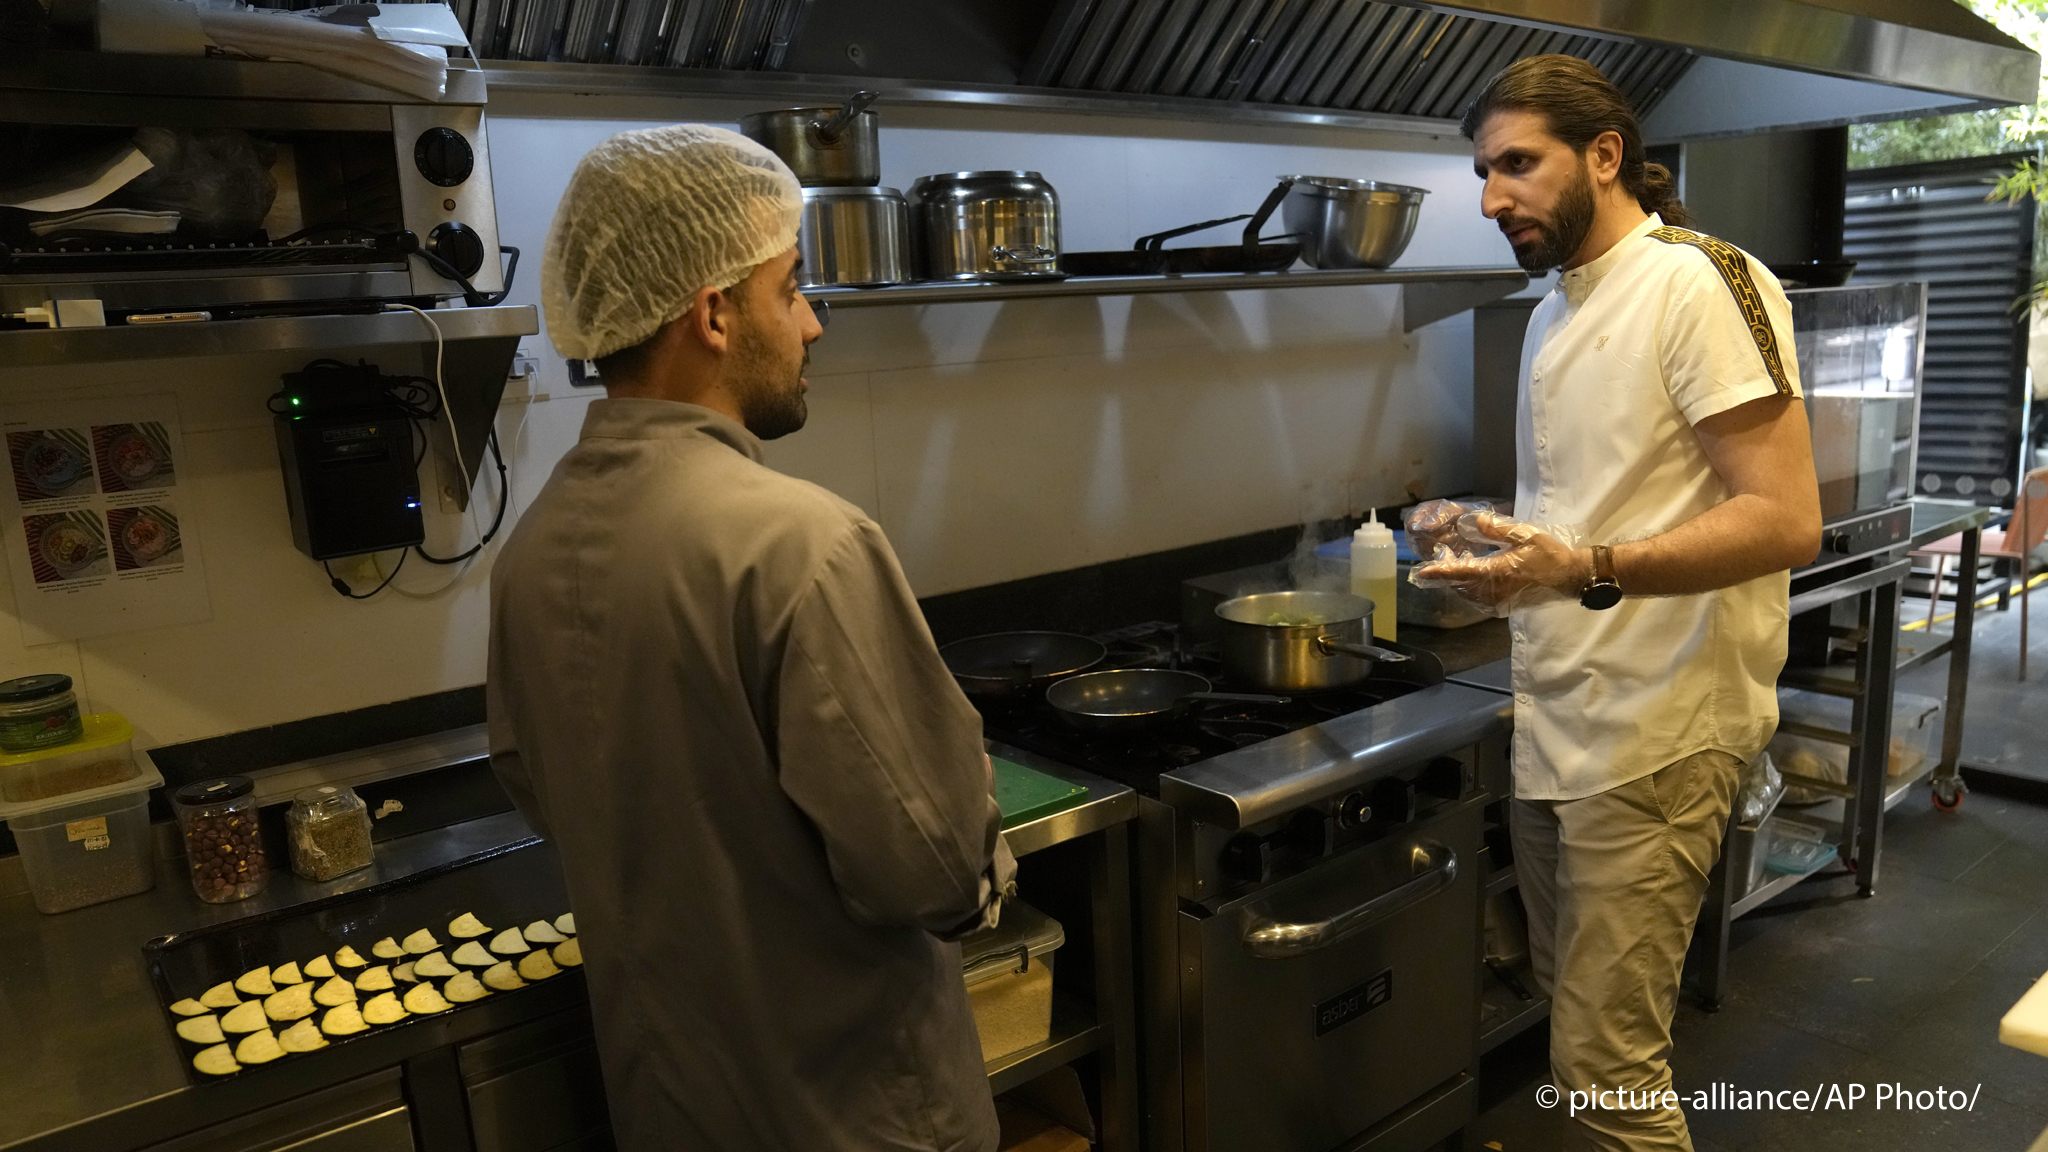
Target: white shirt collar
[[1578, 283]]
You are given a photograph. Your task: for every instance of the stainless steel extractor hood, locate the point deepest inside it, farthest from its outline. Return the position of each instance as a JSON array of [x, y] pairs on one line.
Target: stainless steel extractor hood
[[1694, 68]]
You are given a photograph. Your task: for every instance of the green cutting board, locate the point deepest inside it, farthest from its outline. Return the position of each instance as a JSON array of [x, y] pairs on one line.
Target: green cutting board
[[1025, 794]]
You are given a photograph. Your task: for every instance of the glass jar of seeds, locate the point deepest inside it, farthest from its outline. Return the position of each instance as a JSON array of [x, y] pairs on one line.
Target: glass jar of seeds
[[328, 828], [222, 842]]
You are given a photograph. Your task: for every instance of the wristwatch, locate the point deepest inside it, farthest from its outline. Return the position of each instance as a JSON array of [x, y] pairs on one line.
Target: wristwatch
[[1605, 591]]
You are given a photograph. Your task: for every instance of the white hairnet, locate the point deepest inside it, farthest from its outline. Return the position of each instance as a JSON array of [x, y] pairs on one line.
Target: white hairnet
[[649, 218]]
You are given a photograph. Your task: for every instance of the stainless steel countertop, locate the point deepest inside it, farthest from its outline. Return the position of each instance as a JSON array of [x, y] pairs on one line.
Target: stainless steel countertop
[[85, 1037], [1274, 777], [1936, 519], [1108, 803]]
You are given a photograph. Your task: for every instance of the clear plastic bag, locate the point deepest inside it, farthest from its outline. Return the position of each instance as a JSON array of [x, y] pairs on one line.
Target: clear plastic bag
[[1762, 787], [217, 179], [1498, 563]]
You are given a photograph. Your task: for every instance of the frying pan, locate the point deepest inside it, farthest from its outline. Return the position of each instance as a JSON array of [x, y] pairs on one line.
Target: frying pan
[[1148, 258], [1004, 664], [1133, 699]]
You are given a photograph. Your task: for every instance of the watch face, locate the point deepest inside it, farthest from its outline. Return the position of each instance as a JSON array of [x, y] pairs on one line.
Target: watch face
[[1601, 596]]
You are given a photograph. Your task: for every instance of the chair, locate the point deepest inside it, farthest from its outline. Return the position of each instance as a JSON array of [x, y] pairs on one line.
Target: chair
[[2014, 542]]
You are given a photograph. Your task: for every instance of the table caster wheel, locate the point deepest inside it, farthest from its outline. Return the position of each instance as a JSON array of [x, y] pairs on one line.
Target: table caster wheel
[[1948, 793]]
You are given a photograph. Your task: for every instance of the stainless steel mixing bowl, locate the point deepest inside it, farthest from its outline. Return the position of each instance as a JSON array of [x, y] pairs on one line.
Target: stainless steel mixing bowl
[[1351, 223]]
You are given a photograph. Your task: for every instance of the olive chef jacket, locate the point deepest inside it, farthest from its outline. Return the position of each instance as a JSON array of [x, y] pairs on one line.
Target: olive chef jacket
[[711, 688]]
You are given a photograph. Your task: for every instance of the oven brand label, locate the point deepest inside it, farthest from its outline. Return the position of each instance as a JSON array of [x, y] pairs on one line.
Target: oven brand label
[[1354, 1002]]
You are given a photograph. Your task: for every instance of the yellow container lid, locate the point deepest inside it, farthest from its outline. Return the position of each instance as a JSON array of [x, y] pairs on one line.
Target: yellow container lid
[[102, 730]]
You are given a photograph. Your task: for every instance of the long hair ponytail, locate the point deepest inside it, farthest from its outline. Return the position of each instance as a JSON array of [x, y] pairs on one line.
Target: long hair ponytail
[[1580, 103]]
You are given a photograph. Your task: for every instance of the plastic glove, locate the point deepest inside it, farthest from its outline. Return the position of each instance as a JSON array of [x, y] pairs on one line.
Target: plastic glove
[[1503, 565]]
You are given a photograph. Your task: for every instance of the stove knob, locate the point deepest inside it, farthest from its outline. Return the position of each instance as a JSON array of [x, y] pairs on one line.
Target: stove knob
[[1244, 858], [1353, 811], [1394, 799], [443, 157], [1447, 777]]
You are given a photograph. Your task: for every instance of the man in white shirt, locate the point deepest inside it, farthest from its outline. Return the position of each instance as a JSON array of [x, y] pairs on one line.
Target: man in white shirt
[[1659, 420]]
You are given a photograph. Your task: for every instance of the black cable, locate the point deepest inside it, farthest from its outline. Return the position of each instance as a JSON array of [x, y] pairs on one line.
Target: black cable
[[470, 294], [342, 587], [504, 498]]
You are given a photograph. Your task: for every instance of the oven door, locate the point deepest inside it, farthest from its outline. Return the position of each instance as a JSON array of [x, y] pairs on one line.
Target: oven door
[[1320, 1005]]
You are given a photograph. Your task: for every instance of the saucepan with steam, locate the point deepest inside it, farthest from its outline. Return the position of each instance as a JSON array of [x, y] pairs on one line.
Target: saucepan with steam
[[1299, 641]]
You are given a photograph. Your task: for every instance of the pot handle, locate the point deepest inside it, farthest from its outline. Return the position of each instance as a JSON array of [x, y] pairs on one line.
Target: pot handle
[[1330, 646], [828, 131], [1040, 254]]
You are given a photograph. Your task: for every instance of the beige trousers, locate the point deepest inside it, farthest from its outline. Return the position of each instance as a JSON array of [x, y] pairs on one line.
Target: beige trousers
[[1613, 884]]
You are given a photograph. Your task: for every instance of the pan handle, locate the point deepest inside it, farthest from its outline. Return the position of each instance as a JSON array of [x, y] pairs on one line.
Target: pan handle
[[1265, 212], [1436, 866], [829, 130], [1331, 646], [1239, 697], [1153, 241]]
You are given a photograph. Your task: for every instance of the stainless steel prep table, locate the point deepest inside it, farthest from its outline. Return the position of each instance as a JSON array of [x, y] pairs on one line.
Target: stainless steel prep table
[[91, 1063], [1108, 1027], [1936, 520]]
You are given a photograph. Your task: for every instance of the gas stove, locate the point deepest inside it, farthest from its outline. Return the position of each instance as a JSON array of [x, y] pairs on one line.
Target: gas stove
[[1208, 730]]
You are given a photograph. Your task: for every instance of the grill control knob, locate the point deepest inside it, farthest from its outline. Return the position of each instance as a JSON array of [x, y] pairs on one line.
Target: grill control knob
[[1841, 543], [459, 245], [1447, 777], [443, 157]]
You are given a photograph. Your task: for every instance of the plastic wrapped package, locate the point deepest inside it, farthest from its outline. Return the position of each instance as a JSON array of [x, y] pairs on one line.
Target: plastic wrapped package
[[1498, 563], [1762, 787]]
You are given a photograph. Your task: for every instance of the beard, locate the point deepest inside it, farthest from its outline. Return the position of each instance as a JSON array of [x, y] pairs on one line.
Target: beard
[[1561, 235], [770, 389]]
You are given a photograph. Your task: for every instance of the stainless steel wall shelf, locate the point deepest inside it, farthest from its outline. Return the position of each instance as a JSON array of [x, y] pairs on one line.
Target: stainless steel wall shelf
[[27, 347], [1427, 294]]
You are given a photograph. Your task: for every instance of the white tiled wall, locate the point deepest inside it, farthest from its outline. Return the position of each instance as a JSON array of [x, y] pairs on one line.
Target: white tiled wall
[[991, 441]]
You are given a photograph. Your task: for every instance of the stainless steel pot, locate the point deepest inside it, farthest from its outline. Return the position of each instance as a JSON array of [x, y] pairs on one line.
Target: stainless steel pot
[[1351, 223], [853, 236], [823, 146], [1298, 641], [986, 226]]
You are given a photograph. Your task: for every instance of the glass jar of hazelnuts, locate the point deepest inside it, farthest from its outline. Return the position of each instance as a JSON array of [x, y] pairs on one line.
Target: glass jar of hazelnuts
[[222, 842]]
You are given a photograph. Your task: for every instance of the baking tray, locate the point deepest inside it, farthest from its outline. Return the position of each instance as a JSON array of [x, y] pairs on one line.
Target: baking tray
[[520, 885]]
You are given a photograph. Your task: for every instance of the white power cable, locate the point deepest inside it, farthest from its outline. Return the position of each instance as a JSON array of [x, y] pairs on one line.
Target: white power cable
[[469, 485]]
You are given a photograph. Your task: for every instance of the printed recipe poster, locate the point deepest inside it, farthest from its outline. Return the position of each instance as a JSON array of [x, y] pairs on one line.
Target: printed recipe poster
[[98, 539]]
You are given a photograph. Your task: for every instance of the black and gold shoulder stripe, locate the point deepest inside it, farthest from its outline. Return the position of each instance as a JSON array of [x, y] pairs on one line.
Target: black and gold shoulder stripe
[[1734, 269]]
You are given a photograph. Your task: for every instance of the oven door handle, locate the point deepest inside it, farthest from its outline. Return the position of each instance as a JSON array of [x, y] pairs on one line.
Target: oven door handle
[[1436, 865]]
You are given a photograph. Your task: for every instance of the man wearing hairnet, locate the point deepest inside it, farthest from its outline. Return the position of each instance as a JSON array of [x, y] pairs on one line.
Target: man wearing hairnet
[[711, 689]]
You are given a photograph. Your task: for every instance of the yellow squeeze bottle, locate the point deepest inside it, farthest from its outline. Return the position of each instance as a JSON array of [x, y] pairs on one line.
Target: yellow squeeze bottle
[[1372, 573]]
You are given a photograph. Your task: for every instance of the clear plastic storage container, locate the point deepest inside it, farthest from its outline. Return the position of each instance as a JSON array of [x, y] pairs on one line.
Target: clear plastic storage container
[[328, 831], [223, 845], [1916, 736], [101, 756], [1009, 979], [91, 846]]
